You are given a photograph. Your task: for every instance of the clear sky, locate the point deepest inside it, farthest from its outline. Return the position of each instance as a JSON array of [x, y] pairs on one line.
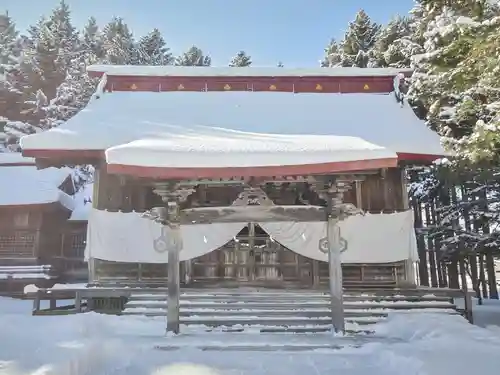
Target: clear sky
[[292, 31]]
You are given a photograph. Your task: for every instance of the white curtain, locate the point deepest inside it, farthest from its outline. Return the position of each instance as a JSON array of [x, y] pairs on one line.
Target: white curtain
[[127, 237], [377, 238]]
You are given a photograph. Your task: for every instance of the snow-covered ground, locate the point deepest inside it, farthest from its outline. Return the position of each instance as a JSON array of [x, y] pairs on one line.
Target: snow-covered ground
[[101, 344]]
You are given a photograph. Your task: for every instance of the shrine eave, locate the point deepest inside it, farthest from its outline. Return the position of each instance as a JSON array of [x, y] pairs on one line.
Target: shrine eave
[[318, 80], [65, 157], [326, 84], [247, 172]]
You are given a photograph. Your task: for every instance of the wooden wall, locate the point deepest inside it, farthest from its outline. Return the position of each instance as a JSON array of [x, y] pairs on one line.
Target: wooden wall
[[377, 193], [31, 234], [19, 234]]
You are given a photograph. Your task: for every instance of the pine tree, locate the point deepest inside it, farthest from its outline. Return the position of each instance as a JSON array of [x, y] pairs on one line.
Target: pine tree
[[359, 39], [152, 50], [241, 59], [10, 51], [193, 57], [333, 55], [396, 44], [118, 43], [92, 40], [453, 83]]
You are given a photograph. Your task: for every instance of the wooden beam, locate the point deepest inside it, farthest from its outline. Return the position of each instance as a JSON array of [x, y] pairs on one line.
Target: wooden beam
[[231, 214]]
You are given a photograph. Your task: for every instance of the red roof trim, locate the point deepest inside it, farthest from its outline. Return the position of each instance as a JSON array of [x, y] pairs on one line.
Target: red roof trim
[[63, 154], [19, 164], [292, 84], [426, 158], [267, 171]]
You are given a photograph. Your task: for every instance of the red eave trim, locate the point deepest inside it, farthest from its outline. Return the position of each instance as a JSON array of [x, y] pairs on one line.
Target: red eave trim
[[20, 164], [426, 158], [267, 171], [62, 154], [291, 84]]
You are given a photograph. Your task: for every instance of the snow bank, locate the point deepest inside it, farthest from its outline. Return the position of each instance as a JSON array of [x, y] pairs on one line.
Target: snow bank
[[101, 344]]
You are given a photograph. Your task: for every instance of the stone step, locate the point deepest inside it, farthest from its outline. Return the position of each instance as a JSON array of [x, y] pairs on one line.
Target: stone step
[[272, 321], [399, 305], [312, 298], [350, 329], [257, 313]]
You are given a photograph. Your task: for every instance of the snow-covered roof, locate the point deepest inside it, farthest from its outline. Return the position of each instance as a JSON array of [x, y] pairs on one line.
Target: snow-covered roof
[[240, 129], [197, 71], [27, 185], [15, 158], [83, 203]]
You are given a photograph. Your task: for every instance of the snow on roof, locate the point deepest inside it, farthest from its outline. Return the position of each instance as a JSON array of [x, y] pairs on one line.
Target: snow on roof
[[190, 121], [14, 158], [26, 185], [83, 203], [197, 71]]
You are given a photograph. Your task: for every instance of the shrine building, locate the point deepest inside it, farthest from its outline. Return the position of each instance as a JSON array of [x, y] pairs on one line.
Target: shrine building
[[208, 135]]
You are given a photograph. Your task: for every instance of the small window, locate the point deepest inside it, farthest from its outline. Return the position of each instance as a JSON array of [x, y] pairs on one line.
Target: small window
[[21, 220]]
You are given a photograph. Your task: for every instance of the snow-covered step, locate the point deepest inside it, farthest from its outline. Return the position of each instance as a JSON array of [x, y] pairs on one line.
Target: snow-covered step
[[255, 313], [400, 305], [272, 321], [282, 311], [313, 298]]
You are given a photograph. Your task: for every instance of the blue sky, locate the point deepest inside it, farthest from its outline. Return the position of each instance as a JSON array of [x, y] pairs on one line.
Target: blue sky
[[293, 31]]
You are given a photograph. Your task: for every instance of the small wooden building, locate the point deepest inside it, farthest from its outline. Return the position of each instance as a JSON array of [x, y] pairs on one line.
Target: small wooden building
[[34, 207], [214, 133], [74, 238]]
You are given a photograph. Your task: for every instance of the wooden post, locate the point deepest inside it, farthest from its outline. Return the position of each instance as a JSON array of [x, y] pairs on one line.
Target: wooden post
[[170, 215], [251, 251], [410, 276], [335, 200], [173, 305], [95, 205], [335, 274], [78, 302]]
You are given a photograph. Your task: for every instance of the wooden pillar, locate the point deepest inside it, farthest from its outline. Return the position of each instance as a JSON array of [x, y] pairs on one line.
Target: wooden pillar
[[95, 205], [334, 261], [410, 277], [251, 250], [171, 215]]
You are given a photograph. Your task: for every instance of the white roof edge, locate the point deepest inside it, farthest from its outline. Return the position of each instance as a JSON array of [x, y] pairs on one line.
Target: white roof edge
[[197, 71]]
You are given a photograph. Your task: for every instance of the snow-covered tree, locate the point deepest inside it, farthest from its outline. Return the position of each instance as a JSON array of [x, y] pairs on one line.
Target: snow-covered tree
[[396, 44], [457, 77], [241, 59], [193, 57], [119, 43], [92, 41], [152, 50], [333, 55], [10, 52], [359, 39]]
